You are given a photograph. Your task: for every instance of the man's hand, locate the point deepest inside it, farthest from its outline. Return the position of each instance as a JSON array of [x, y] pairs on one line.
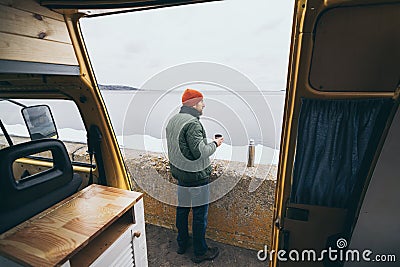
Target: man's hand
[[219, 141]]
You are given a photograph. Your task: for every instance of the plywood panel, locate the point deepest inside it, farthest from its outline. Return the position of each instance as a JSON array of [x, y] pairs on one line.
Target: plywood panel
[[103, 242], [22, 48], [54, 235], [28, 24], [34, 7]]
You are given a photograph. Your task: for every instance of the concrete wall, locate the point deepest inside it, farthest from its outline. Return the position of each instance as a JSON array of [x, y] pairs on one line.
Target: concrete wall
[[241, 218]]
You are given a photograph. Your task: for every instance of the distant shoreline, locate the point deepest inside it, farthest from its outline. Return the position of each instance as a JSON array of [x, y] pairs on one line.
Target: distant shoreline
[[125, 88], [117, 88]]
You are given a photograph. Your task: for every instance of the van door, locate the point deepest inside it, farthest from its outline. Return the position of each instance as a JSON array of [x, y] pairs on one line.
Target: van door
[[104, 7], [342, 95]]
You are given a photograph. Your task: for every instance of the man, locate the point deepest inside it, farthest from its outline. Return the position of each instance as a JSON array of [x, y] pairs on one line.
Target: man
[[189, 152]]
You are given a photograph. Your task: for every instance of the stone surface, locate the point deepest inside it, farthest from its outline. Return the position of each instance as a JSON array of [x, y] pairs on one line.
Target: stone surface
[[162, 246]]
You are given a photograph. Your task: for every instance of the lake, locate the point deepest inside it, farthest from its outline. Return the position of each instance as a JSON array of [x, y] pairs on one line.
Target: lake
[[139, 119]]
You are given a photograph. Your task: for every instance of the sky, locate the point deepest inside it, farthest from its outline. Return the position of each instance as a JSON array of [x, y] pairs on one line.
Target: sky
[[250, 36]]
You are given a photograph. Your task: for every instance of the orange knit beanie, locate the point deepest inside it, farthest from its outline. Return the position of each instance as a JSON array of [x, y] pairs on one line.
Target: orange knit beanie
[[191, 97]]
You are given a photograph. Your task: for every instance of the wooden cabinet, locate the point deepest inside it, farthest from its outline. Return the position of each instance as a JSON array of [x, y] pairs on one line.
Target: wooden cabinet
[[98, 226]]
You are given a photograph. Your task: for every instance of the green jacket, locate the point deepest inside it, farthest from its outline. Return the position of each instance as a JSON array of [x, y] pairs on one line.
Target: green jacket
[[188, 150]]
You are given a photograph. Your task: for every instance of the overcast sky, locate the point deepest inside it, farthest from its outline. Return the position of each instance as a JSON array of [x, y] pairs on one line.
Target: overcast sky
[[251, 36]]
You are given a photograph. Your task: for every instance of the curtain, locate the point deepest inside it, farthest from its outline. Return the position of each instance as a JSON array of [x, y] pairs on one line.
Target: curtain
[[336, 143]]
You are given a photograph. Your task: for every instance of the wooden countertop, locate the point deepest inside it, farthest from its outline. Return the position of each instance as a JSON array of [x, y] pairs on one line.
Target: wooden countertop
[[54, 235]]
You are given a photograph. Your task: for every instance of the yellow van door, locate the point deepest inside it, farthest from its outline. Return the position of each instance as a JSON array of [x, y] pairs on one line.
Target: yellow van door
[[342, 94], [104, 7]]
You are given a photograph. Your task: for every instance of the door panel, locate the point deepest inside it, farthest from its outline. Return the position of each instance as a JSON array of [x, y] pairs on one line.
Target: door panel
[[104, 7], [316, 230], [377, 227], [332, 58]]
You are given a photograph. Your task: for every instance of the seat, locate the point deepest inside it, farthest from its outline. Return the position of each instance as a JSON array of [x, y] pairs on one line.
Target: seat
[[22, 199]]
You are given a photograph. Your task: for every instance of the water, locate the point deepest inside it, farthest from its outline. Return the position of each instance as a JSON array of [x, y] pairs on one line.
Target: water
[[139, 119], [239, 117]]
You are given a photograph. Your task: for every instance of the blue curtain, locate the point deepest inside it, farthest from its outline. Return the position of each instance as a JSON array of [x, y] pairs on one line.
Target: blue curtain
[[335, 146]]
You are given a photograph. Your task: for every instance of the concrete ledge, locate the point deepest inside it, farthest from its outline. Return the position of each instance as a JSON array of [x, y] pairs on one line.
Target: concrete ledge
[[241, 218]]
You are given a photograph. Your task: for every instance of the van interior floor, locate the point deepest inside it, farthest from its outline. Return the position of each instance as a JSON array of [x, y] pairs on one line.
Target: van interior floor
[[162, 246]]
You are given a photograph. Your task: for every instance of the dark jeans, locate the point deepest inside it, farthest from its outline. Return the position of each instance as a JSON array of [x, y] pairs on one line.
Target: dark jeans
[[195, 198]]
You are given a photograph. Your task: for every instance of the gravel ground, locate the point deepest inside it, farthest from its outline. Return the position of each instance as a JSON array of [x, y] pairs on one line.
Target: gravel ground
[[161, 251]]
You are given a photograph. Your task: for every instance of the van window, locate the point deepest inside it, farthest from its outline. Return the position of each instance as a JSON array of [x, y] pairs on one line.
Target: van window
[[70, 128]]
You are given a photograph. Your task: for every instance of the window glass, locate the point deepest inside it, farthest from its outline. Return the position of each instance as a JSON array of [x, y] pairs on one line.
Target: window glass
[[70, 128]]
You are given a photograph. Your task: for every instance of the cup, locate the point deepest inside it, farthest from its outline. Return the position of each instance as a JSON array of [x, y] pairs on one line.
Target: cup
[[216, 136]]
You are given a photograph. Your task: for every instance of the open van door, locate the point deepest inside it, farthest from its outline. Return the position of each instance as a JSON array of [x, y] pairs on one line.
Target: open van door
[[43, 55], [43, 58], [338, 177], [101, 7]]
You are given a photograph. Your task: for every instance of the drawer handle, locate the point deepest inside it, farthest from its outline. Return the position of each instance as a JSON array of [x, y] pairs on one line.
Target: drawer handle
[[136, 234]]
